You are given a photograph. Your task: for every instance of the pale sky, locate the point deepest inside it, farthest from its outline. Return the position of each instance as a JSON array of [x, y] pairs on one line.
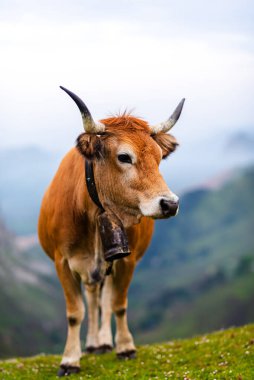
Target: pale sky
[[119, 54]]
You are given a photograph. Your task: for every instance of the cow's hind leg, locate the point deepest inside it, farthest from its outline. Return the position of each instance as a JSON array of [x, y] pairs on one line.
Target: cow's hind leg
[[75, 314], [122, 276]]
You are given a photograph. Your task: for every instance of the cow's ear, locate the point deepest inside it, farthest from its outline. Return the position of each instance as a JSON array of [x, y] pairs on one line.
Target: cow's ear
[[90, 146], [167, 143]]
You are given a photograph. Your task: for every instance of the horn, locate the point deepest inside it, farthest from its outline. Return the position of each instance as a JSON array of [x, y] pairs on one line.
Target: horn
[[89, 125], [167, 125]]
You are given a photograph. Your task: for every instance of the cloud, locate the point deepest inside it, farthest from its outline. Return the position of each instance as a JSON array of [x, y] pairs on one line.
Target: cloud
[[133, 54]]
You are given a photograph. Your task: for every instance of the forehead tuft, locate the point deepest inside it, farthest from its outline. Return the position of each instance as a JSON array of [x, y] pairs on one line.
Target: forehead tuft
[[131, 134], [125, 122]]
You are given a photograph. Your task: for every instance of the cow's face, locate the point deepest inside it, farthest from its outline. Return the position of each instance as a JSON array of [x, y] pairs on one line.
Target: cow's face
[[126, 165], [126, 154]]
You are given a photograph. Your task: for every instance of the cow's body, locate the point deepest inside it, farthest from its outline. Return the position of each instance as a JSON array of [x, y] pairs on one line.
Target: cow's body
[[68, 228]]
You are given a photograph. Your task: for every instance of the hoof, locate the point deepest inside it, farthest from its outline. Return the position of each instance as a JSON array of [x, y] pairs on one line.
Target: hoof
[[103, 349], [91, 349], [66, 370], [126, 355]]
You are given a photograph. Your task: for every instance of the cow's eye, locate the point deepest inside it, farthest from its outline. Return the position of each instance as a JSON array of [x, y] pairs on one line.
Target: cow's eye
[[125, 158]]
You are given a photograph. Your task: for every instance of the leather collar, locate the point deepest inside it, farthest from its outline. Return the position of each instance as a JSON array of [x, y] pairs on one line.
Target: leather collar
[[90, 183]]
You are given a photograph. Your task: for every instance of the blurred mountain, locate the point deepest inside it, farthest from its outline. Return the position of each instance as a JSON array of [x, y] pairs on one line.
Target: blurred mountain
[[241, 141], [198, 161], [189, 281], [197, 275], [30, 299], [24, 175]]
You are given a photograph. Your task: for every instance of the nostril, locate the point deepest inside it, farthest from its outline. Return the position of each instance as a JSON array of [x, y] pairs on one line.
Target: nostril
[[169, 207], [164, 204]]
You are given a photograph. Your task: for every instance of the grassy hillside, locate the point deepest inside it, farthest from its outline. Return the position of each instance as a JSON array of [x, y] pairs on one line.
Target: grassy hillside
[[213, 227], [221, 355], [185, 310], [192, 265]]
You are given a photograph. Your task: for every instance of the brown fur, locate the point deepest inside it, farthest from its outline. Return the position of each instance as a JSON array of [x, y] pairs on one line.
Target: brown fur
[[67, 223]]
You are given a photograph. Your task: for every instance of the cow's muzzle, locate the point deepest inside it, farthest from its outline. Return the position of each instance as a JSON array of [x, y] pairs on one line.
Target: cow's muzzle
[[169, 207]]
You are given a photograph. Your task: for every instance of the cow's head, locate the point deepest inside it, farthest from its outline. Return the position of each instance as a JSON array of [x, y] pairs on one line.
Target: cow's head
[[127, 152]]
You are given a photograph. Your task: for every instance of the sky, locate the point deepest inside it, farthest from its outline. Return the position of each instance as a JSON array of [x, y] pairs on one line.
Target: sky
[[116, 54]]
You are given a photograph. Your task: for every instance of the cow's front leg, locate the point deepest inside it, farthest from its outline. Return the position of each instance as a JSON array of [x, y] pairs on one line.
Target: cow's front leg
[[75, 314], [92, 298], [122, 276], [105, 333]]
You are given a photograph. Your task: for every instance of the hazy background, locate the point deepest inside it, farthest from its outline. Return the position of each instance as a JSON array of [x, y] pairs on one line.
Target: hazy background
[[146, 56]]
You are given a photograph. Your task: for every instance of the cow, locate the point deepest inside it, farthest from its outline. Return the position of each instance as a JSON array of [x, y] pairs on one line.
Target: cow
[[107, 191]]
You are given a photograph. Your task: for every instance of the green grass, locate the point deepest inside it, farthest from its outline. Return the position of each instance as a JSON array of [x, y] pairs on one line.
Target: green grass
[[225, 355]]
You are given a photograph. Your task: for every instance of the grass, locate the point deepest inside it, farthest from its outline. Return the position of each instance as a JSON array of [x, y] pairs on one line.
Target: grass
[[225, 355]]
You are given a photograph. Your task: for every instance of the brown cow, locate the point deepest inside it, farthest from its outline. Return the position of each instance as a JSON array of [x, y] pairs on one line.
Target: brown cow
[[125, 153]]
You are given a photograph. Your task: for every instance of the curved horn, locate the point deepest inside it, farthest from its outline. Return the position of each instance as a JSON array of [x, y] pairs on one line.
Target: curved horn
[[167, 125], [89, 125]]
